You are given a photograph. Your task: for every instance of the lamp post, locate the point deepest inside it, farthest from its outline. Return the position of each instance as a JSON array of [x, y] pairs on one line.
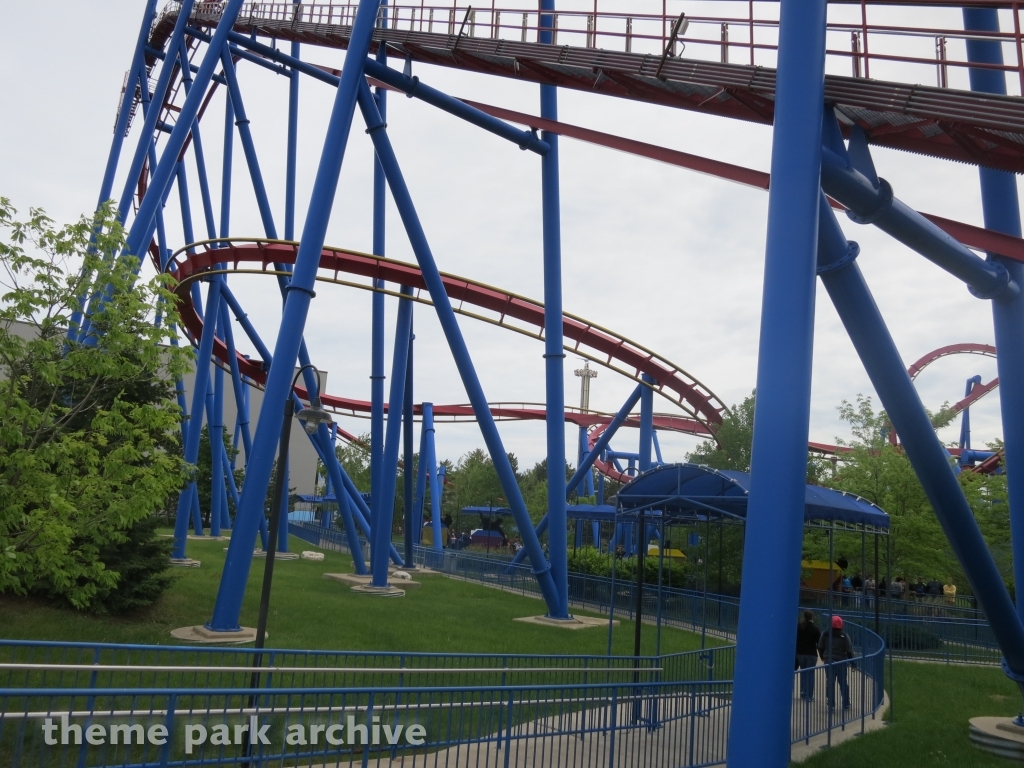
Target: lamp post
[[313, 416]]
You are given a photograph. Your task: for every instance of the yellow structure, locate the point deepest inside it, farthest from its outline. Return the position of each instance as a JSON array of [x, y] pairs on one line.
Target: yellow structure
[[653, 550], [427, 536], [816, 574]]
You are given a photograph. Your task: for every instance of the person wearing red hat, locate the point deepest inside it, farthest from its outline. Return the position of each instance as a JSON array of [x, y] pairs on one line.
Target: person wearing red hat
[[835, 649]]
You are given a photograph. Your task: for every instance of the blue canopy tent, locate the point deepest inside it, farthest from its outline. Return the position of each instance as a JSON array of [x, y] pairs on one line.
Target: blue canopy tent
[[687, 494], [694, 492]]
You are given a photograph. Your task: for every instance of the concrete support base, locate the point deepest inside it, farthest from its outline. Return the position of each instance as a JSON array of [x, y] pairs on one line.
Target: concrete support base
[[259, 553], [998, 735], [194, 537], [573, 622], [369, 589], [202, 636], [359, 580], [185, 562]]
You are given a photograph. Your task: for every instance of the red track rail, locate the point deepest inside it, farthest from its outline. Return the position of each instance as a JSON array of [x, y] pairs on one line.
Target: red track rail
[[670, 381]]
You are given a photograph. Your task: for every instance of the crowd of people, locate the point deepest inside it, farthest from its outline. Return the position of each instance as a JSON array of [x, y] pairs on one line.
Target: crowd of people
[[933, 592]]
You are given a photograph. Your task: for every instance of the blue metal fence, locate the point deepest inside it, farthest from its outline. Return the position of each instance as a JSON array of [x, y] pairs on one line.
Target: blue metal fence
[[95, 704], [915, 629]]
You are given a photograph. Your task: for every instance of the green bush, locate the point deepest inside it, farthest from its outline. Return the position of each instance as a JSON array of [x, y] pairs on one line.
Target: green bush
[[587, 560], [140, 563]]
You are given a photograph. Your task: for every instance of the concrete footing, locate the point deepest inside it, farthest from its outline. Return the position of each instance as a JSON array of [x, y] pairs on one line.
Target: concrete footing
[[369, 589], [259, 553], [356, 579], [998, 735], [202, 636], [573, 622], [185, 562]]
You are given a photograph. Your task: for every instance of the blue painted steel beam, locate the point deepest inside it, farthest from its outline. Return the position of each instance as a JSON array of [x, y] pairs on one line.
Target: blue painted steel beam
[[408, 85], [412, 86], [192, 436], [873, 203], [429, 459], [554, 356], [763, 682], [646, 425], [238, 386], [377, 317], [300, 293], [167, 68], [142, 226], [588, 461], [384, 496], [421, 484], [863, 322], [1001, 209], [456, 342], [408, 450]]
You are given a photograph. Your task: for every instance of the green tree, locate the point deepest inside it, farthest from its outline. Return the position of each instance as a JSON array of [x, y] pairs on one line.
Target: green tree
[[730, 449], [204, 472], [88, 428]]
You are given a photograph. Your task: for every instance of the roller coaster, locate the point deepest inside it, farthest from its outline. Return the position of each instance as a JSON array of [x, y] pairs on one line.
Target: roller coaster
[[777, 63]]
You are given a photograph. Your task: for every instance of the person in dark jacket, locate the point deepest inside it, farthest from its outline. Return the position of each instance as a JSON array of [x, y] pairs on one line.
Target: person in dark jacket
[[807, 635], [835, 647]]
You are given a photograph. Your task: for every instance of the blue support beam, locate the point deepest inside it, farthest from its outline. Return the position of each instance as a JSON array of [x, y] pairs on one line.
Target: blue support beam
[[759, 735], [590, 458], [429, 459], [408, 450], [384, 496], [863, 322], [456, 342], [1001, 210], [554, 356], [300, 293], [142, 227], [646, 424]]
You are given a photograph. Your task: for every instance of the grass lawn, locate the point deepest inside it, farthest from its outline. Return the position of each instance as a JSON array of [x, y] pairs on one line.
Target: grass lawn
[[933, 703], [309, 612]]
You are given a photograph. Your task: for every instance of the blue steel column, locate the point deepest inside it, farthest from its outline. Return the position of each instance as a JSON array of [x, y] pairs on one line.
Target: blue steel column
[[763, 688], [1001, 210], [863, 322], [429, 459], [554, 356], [300, 292], [646, 425], [421, 480], [142, 226], [377, 309], [199, 386], [384, 495], [215, 422], [457, 344], [408, 479]]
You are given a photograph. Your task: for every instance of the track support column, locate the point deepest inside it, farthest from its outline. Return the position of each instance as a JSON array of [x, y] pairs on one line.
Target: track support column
[[1001, 209], [763, 693], [300, 292], [554, 356]]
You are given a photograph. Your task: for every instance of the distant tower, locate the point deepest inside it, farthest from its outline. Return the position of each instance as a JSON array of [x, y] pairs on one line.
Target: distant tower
[[586, 373]]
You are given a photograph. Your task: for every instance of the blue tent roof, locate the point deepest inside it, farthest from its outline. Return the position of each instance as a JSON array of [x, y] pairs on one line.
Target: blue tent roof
[[694, 490]]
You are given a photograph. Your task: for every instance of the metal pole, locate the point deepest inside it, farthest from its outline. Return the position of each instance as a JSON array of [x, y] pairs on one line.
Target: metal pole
[[384, 495], [457, 344], [1001, 210], [553, 354], [408, 479], [867, 330], [763, 691], [646, 424], [429, 457], [588, 461], [300, 293]]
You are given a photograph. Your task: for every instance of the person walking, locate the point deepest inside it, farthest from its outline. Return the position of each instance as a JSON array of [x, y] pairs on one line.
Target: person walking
[[807, 636], [835, 648]]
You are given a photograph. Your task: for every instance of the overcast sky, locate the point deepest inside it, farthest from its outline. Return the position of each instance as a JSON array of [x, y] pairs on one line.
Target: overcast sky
[[667, 257]]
